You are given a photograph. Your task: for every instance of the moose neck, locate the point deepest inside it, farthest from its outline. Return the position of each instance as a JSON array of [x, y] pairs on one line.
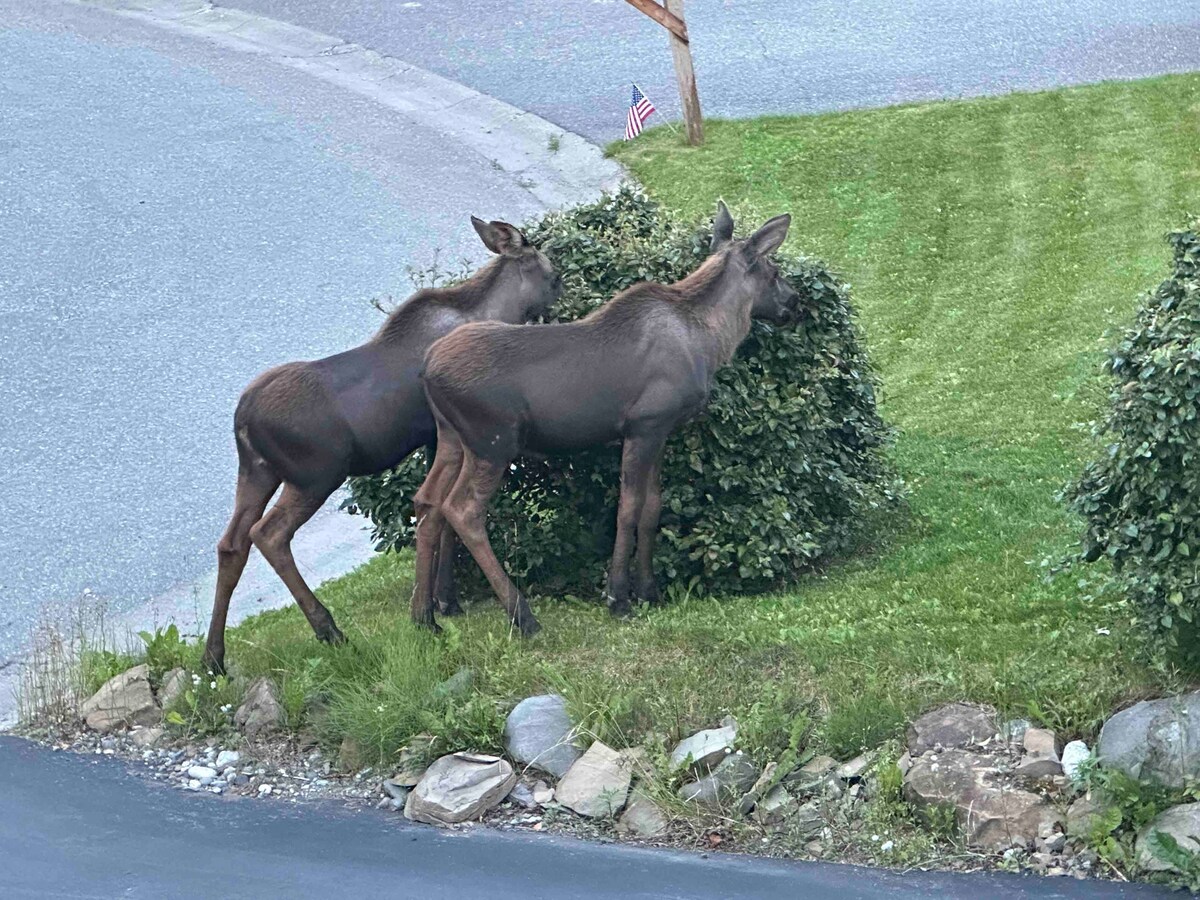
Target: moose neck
[[491, 293], [721, 304], [501, 299]]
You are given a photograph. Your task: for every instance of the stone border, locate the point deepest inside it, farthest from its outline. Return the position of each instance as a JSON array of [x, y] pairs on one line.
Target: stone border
[[516, 141]]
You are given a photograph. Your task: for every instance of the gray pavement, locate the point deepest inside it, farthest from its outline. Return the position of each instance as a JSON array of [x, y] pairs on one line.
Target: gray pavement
[[571, 61], [178, 216], [76, 827]]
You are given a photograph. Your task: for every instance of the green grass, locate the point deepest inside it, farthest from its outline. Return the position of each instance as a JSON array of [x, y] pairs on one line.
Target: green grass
[[990, 243]]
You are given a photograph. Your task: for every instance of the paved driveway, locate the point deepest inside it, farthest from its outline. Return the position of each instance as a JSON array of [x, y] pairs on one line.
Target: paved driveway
[[175, 218]]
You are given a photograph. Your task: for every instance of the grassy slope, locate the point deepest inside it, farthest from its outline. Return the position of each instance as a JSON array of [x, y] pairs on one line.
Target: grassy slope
[[990, 243]]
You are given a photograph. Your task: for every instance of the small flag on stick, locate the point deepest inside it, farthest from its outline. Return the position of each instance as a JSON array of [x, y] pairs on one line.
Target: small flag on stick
[[640, 109]]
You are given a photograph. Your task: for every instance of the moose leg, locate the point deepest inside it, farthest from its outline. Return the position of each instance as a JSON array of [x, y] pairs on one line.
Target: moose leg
[[254, 489], [431, 523], [273, 538], [645, 588], [466, 511], [444, 590], [638, 456]]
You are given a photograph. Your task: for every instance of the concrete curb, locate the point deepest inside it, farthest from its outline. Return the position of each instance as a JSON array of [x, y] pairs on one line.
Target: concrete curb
[[515, 141]]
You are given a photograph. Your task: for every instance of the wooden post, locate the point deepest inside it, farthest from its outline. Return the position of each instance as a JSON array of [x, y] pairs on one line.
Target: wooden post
[[682, 54], [670, 17]]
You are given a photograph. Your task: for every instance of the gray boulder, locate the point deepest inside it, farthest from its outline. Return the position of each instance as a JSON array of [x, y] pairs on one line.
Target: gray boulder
[[1180, 822], [146, 738], [992, 812], [954, 726], [261, 712], [459, 787], [1156, 740], [173, 685], [1083, 815], [642, 818], [123, 701], [597, 784], [761, 786], [775, 807], [733, 777], [705, 749], [539, 733], [1073, 756], [1041, 756]]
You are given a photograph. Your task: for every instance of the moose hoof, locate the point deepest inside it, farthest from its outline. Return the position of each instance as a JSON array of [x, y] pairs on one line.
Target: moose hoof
[[331, 635], [649, 595], [450, 608], [619, 609], [529, 626], [428, 624]]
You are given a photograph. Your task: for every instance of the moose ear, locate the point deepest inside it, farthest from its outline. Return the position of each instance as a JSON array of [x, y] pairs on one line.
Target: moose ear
[[499, 237], [769, 238], [722, 227]]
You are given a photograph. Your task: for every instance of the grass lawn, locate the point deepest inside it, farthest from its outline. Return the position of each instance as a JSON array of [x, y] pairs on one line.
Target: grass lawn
[[989, 243]]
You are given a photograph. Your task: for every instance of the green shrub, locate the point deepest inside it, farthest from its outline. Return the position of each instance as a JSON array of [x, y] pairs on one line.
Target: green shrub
[[783, 471], [1140, 495]]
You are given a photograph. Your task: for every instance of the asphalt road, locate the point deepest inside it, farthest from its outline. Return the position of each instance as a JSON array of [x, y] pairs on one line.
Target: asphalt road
[[572, 61], [177, 217], [76, 827]]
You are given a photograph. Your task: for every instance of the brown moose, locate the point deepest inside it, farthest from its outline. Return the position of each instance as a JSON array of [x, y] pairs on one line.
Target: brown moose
[[309, 425], [632, 371]]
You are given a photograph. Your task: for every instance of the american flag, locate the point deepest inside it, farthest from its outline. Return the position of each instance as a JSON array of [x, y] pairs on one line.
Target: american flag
[[640, 109]]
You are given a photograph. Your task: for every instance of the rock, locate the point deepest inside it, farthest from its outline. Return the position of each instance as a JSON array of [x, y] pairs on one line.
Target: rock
[[818, 772], [1073, 756], [764, 783], [732, 778], [124, 701], [807, 821], [1052, 844], [539, 733], [459, 787], [227, 758], [396, 791], [1041, 742], [1157, 740], [1037, 768], [955, 726], [1180, 822], [853, 771], [704, 749], [260, 712], [542, 793], [146, 738], [642, 818], [597, 784], [776, 807], [992, 814], [173, 685], [522, 795], [202, 772], [1083, 816], [904, 763]]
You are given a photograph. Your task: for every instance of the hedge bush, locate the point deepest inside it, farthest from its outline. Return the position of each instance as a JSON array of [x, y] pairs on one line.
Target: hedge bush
[[1140, 496], [783, 471]]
